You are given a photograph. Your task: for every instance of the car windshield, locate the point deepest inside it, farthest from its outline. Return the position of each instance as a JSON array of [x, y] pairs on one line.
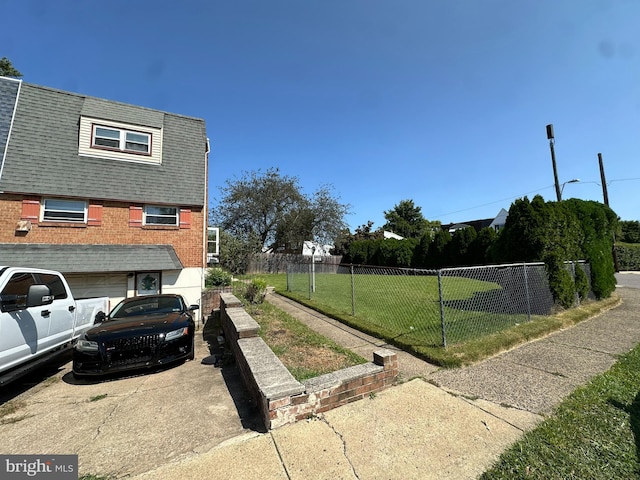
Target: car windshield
[[147, 306]]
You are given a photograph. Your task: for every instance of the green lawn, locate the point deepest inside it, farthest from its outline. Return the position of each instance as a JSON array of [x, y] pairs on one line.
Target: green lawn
[[594, 433], [404, 310]]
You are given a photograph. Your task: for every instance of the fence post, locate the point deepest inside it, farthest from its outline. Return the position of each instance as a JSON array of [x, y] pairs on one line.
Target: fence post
[[444, 330], [288, 284], [576, 295], [353, 293], [526, 289]]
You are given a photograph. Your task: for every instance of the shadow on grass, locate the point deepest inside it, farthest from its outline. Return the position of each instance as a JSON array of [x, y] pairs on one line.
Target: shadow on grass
[[503, 301], [634, 418]]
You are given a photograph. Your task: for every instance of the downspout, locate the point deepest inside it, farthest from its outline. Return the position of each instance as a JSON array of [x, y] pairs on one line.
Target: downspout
[[205, 223]]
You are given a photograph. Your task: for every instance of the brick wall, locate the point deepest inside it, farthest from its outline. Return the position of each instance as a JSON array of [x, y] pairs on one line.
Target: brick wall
[[113, 230], [280, 398]]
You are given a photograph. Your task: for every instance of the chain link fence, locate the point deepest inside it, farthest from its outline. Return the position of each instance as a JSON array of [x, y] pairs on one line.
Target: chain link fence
[[430, 307]]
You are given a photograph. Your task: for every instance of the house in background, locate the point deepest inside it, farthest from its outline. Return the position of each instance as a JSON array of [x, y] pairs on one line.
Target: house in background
[[110, 194], [496, 223], [316, 250], [395, 236]]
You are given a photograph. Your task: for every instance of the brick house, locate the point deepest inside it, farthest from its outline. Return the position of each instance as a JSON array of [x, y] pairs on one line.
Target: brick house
[[112, 195]]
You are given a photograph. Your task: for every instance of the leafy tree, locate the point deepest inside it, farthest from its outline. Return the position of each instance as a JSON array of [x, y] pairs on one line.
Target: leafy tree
[[346, 238], [235, 252], [406, 220], [437, 257], [480, 248], [270, 207], [629, 231], [7, 69], [460, 245]]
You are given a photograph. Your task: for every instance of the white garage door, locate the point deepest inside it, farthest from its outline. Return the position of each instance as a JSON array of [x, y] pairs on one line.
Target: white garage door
[[98, 285]]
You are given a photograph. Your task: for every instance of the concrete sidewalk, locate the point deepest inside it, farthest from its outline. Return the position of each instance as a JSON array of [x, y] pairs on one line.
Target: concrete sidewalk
[[419, 430]]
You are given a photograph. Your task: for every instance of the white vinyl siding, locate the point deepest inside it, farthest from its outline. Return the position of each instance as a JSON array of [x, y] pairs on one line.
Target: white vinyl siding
[[119, 141]]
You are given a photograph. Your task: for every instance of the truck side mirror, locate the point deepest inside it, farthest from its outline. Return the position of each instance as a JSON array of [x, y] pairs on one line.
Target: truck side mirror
[[38, 295], [100, 317]]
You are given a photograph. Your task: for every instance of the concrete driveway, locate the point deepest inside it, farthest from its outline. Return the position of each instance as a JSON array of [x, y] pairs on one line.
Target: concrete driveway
[[129, 424]]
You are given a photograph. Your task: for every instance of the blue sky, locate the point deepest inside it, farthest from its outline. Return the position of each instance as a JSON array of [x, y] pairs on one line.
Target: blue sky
[[441, 102]]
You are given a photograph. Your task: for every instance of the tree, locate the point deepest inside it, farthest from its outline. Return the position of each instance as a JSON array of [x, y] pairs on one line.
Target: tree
[[7, 69], [271, 208], [628, 231], [235, 253], [406, 220], [459, 246]]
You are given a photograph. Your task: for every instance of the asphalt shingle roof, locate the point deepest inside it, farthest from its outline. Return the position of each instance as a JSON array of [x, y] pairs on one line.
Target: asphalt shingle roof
[[8, 95], [90, 258], [42, 154]]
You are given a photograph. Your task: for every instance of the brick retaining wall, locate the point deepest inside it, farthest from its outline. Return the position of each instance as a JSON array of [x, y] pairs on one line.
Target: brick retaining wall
[[279, 396]]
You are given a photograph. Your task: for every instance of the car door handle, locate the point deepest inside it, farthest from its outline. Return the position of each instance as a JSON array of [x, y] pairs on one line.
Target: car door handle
[[71, 308], [45, 313]]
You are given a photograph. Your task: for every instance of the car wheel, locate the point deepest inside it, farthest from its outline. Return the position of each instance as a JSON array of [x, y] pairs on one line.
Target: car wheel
[[192, 354]]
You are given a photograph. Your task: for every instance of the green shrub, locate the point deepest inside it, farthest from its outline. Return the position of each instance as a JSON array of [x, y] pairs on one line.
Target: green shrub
[[256, 290], [600, 256], [582, 283], [217, 277], [628, 256], [561, 282]]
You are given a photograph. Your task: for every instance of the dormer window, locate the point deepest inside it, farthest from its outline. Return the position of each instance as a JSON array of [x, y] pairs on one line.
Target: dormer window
[[111, 140], [122, 140]]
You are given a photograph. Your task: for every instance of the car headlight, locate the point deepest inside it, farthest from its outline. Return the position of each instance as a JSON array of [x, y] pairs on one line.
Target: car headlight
[[84, 345], [177, 333]]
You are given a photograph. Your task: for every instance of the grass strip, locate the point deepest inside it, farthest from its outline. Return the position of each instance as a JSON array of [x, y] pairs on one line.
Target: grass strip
[[304, 352], [594, 433]]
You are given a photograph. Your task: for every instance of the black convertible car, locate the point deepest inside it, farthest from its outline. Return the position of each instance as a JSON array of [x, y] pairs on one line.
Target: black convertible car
[[140, 332]]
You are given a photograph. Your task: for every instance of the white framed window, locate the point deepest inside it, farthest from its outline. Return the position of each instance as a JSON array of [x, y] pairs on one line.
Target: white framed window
[[57, 210], [213, 244], [157, 215], [120, 139]]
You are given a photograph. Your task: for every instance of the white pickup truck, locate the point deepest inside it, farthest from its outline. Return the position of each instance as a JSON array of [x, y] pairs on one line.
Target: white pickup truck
[[39, 318]]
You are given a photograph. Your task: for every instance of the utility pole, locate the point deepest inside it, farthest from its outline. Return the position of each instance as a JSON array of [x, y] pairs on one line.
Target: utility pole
[[553, 161], [605, 194]]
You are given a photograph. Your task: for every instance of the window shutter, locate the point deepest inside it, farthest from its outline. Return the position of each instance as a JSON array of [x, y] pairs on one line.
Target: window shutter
[[135, 216], [94, 216], [30, 209], [185, 218]]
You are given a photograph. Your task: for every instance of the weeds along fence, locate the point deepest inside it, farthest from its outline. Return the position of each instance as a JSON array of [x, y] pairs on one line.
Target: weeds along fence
[[429, 307]]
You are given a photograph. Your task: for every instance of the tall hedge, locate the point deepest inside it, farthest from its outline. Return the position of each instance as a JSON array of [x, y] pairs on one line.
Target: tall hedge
[[553, 231], [628, 256], [599, 224]]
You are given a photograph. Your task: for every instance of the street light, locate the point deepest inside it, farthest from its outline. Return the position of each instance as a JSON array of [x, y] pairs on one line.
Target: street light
[[575, 180]]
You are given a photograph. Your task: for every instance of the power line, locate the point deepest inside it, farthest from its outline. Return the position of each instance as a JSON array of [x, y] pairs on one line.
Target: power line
[[528, 193], [492, 203]]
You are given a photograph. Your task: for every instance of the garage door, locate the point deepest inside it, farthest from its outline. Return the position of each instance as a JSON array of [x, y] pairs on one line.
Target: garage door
[[98, 285]]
